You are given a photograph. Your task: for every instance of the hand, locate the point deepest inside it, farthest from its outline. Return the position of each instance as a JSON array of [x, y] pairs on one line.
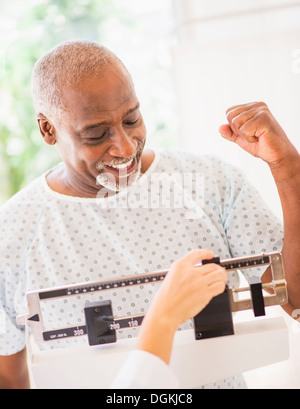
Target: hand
[[188, 289], [254, 129], [185, 291]]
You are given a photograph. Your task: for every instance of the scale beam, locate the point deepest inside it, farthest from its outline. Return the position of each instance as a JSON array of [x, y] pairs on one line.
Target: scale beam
[[214, 321]]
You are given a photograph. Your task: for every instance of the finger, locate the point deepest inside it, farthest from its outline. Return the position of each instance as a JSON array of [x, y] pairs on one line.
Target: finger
[[254, 128], [219, 274], [195, 256], [237, 109], [236, 121], [217, 288], [208, 268], [227, 132], [238, 116]]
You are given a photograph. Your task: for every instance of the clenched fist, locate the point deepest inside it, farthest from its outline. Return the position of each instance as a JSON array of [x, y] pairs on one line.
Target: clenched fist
[[254, 129]]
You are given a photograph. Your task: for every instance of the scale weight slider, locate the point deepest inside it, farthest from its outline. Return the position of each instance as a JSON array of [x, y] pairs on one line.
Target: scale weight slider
[[99, 323], [215, 320]]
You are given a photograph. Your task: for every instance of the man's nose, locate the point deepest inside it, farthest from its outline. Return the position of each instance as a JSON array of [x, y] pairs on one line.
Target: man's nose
[[122, 145]]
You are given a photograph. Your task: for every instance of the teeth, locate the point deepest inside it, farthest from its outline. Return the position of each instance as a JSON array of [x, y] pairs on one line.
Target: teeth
[[123, 165]]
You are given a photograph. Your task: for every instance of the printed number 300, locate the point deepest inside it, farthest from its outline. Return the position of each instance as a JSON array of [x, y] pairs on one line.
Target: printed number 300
[[78, 332]]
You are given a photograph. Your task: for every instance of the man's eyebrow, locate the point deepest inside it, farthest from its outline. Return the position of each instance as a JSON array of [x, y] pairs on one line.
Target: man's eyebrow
[[98, 124], [132, 109]]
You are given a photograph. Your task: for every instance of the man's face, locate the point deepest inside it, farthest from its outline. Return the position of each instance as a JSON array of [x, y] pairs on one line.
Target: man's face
[[102, 135]]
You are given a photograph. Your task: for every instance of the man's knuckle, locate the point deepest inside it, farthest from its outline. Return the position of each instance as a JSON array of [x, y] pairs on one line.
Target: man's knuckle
[[263, 115], [262, 104], [237, 121]]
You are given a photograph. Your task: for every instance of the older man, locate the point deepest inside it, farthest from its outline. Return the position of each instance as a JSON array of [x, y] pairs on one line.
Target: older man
[[97, 215]]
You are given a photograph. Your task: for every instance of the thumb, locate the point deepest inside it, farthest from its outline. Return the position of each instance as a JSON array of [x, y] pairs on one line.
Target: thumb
[[227, 133]]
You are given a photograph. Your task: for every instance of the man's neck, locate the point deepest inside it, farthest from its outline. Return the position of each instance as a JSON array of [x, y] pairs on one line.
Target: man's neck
[[61, 181]]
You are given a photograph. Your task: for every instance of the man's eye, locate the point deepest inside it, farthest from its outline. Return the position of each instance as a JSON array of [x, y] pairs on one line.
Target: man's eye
[[97, 138], [132, 123]]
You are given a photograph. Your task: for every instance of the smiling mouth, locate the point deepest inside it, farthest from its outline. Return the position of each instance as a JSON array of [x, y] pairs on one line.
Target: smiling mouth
[[122, 170]]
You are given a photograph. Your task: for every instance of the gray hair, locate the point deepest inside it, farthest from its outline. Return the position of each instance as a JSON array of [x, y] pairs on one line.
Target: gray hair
[[66, 65]]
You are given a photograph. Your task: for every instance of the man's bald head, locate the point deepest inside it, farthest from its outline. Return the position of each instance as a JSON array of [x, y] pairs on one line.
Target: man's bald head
[[67, 65]]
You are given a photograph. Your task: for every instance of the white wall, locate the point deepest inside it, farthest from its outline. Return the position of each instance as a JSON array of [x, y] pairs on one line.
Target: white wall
[[228, 53]]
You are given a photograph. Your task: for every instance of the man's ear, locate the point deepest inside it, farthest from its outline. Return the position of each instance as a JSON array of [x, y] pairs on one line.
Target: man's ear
[[47, 129]]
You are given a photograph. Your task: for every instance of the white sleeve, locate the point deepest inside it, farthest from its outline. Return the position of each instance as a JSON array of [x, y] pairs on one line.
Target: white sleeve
[[142, 370]]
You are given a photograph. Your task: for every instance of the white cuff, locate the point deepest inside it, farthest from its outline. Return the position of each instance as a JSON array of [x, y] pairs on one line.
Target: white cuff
[[142, 370]]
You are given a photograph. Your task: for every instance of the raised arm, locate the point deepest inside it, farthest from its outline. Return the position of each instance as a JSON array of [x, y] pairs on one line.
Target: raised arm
[[254, 129]]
